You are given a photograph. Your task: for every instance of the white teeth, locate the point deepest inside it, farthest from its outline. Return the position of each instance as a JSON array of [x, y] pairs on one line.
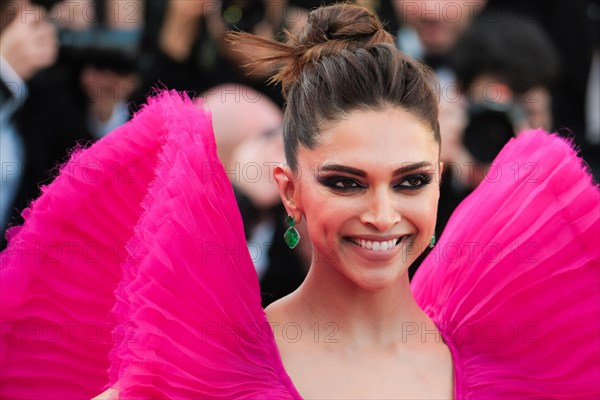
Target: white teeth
[[376, 246]]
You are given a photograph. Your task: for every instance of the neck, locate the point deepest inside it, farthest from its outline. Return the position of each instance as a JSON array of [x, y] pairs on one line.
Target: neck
[[362, 316]]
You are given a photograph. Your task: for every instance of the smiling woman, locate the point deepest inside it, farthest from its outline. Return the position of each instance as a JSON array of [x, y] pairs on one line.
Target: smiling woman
[[507, 305], [357, 202], [362, 149], [365, 211]]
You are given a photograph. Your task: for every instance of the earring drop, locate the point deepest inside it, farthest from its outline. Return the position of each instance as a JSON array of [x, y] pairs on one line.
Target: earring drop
[[291, 236], [432, 241]]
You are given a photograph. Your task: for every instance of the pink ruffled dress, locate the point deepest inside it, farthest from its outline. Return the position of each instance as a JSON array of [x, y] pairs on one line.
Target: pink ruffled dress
[[131, 270]]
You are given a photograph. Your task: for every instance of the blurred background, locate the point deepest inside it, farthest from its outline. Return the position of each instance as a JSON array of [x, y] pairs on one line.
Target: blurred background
[[73, 70]]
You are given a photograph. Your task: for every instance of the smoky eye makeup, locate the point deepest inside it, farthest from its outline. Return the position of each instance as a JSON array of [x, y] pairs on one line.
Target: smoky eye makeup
[[414, 181], [347, 179], [410, 182], [340, 183]]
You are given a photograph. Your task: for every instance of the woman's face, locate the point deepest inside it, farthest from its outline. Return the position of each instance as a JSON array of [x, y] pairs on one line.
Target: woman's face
[[369, 192]]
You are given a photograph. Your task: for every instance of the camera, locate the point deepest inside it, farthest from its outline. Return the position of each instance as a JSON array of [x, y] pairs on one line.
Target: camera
[[98, 46], [101, 48], [491, 125]]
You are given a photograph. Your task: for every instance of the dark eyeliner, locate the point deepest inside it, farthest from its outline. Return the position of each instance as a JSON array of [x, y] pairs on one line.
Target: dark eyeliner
[[424, 180], [332, 181]]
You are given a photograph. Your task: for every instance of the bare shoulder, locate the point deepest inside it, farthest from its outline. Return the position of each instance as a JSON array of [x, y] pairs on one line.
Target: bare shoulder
[[292, 328], [281, 310]]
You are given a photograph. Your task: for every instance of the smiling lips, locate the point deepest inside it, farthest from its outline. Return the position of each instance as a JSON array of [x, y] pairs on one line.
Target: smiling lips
[[377, 245]]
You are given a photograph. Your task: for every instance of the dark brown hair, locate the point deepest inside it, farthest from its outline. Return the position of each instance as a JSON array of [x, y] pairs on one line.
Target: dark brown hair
[[343, 60]]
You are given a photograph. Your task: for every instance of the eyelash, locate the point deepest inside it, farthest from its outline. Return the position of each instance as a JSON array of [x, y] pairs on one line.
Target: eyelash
[[333, 181], [424, 179]]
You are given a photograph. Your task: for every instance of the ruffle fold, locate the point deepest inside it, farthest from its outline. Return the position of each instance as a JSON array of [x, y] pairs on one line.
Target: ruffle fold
[[514, 282], [157, 270]]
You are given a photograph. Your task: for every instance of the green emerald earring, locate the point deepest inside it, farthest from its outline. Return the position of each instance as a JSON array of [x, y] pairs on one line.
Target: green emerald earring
[[291, 236], [432, 241]]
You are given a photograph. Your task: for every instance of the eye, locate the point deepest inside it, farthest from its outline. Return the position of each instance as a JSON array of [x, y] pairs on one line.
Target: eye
[[340, 183], [415, 181], [345, 183]]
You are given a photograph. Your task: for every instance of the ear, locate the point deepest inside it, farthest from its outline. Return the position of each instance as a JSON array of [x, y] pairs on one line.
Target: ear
[[289, 190]]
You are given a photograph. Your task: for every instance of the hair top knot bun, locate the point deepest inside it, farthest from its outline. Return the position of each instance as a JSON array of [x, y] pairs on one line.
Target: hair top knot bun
[[333, 29], [329, 31], [351, 24]]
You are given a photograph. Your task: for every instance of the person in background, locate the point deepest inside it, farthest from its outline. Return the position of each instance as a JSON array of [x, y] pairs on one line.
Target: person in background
[[100, 41], [429, 30], [510, 62], [576, 91], [250, 145], [505, 69], [80, 97], [28, 44], [183, 46]]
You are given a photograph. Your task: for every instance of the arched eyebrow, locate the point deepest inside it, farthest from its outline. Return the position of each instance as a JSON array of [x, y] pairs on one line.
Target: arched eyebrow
[[333, 167]]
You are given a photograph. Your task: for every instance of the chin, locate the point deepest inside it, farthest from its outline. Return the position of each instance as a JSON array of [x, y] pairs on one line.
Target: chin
[[379, 280]]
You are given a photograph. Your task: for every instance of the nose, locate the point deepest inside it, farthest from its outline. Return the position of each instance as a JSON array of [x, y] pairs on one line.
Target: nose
[[381, 210]]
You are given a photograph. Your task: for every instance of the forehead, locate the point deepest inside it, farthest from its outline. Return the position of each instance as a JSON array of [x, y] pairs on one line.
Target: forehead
[[378, 139]]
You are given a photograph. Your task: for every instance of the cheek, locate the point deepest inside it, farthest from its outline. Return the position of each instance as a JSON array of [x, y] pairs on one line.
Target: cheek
[[325, 213], [422, 210], [316, 207]]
